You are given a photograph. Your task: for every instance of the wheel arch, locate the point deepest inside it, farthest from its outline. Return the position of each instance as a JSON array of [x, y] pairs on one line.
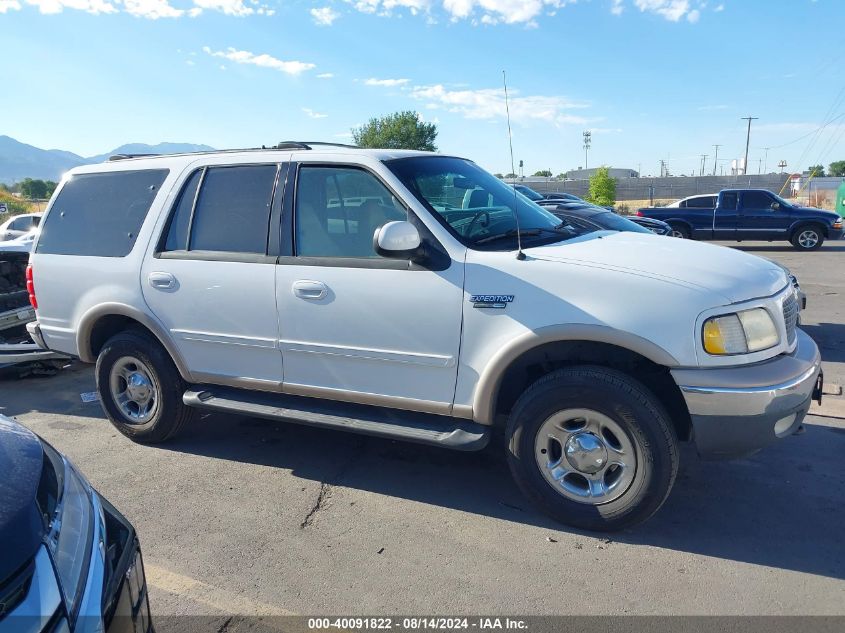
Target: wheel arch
[[808, 222], [537, 353], [100, 323]]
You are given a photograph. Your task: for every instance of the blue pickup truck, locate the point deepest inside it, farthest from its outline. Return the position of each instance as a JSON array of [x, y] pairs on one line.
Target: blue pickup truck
[[751, 214]]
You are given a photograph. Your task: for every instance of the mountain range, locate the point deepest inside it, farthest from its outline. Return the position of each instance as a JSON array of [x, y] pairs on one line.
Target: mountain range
[[19, 160]]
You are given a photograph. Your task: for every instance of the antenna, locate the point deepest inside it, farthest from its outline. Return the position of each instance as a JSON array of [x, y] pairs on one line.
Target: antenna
[[519, 254]]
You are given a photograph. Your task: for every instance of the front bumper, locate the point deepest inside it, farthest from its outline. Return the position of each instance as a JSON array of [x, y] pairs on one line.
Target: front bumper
[[835, 234], [736, 411]]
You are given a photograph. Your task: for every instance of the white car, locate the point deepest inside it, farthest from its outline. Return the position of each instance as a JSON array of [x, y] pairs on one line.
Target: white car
[[19, 225], [415, 296], [706, 201]]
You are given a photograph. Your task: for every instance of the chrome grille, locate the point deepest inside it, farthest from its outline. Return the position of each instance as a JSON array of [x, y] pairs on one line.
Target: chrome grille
[[790, 316]]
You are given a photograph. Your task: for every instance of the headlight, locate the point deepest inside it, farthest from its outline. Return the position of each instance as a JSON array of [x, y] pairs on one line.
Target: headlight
[[70, 520], [740, 333]]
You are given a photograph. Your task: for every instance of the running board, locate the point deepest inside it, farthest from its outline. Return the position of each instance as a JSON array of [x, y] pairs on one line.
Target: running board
[[422, 428]]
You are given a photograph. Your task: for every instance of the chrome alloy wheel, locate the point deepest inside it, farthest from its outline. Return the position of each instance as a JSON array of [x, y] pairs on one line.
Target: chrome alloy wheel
[[677, 233], [134, 389], [585, 456], [808, 238]]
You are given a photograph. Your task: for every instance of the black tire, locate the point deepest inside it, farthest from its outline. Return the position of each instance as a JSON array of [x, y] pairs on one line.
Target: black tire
[[808, 234], [169, 414], [625, 402], [679, 230]]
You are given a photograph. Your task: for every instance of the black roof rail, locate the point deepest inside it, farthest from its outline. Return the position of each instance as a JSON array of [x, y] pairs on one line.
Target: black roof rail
[[308, 145], [128, 156]]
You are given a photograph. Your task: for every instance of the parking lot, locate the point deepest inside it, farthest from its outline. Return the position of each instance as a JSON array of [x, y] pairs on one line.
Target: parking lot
[[248, 516]]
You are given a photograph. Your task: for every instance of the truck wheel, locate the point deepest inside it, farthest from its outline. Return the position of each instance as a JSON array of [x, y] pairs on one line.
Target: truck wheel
[[592, 448], [807, 238], [140, 388], [679, 230]]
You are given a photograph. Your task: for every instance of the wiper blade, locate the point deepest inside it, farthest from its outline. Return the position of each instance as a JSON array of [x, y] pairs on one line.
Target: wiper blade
[[560, 228]]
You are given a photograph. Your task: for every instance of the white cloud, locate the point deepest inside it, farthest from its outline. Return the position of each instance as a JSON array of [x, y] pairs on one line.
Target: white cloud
[[617, 7], [489, 103], [325, 76], [151, 9], [57, 6], [672, 10], [227, 7], [9, 5], [264, 60], [486, 12], [386, 83], [324, 16], [314, 115], [719, 8]]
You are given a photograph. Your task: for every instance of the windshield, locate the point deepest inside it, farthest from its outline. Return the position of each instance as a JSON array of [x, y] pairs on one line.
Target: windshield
[[476, 206], [613, 222], [528, 192]]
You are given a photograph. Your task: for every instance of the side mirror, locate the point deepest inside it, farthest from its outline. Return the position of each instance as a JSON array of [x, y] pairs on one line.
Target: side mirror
[[776, 206], [397, 240]]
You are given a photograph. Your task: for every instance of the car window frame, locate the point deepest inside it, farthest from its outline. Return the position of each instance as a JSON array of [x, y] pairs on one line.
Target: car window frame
[[438, 260], [271, 251]]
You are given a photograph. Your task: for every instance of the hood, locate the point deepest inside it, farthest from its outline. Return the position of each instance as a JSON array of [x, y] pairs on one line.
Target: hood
[[735, 275], [831, 215], [21, 528]]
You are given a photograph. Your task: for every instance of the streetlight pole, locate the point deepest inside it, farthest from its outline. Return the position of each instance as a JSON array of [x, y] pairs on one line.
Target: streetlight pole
[[747, 141], [716, 158]]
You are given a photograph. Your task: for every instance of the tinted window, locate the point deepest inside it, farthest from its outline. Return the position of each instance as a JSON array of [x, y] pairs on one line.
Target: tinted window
[[100, 214], [728, 201], [701, 202], [21, 224], [177, 234], [233, 209], [756, 200], [338, 209]]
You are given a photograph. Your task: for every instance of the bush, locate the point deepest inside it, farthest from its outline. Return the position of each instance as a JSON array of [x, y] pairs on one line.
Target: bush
[[602, 188]]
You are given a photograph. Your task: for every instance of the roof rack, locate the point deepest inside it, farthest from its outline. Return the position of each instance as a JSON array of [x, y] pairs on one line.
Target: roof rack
[[281, 145], [128, 156], [309, 144]]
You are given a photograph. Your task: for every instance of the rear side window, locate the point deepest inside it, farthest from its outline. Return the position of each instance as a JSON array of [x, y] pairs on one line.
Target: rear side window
[[231, 213], [728, 201], [100, 214]]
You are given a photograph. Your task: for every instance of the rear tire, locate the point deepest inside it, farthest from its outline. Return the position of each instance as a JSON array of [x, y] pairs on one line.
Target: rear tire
[[807, 238], [680, 231], [140, 388], [592, 448]]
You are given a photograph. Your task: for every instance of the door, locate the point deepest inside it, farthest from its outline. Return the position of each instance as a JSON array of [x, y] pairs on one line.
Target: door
[[211, 280], [355, 326], [760, 218], [725, 217]]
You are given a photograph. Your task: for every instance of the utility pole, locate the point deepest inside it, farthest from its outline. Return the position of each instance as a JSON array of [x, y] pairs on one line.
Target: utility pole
[[703, 160], [587, 138], [759, 166], [766, 159], [716, 158], [747, 140]]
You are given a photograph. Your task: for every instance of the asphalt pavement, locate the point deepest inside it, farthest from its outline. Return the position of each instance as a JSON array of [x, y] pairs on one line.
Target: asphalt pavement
[[247, 516]]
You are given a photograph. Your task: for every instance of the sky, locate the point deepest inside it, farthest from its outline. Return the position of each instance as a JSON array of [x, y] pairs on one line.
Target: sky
[[651, 79]]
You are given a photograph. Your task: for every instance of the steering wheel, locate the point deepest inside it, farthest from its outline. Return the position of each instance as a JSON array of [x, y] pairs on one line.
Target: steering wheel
[[475, 219]]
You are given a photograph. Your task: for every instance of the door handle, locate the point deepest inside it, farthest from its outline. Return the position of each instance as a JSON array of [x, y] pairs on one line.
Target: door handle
[[313, 290], [162, 281]]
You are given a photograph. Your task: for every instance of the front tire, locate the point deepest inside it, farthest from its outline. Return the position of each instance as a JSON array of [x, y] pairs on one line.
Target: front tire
[[592, 448], [680, 231], [140, 388], [807, 238]]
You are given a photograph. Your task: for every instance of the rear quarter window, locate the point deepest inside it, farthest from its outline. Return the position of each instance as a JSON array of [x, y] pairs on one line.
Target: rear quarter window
[[100, 214]]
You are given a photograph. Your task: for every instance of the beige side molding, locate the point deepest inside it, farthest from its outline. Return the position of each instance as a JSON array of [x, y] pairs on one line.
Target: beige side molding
[[487, 389], [86, 325]]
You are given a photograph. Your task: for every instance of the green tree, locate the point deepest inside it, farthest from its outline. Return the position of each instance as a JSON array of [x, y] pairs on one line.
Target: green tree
[[547, 173], [51, 187], [819, 169], [511, 176], [400, 130], [561, 176], [34, 189], [836, 168], [602, 188]]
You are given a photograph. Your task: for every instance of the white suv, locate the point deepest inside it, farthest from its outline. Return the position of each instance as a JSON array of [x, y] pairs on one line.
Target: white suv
[[415, 296]]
